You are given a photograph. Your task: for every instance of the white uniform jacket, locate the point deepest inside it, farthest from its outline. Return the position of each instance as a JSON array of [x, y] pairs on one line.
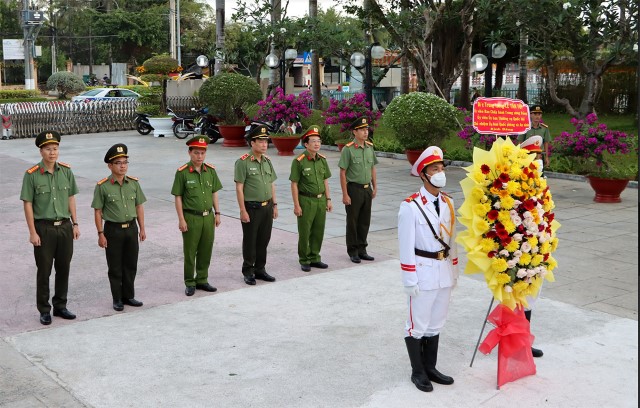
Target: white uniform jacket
[[414, 232]]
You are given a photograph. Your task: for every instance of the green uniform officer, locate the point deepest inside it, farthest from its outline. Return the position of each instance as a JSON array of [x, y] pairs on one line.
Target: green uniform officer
[[117, 201], [359, 187], [195, 188], [254, 176], [311, 199], [538, 129], [48, 192]]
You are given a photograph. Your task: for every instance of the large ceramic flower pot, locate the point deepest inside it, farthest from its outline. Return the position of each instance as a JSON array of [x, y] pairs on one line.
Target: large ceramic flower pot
[[233, 135], [413, 155], [162, 127], [285, 144], [607, 190]]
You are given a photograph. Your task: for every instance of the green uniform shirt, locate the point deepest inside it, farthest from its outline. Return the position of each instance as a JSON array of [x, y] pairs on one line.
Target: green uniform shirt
[[49, 192], [310, 173], [257, 177], [358, 161], [196, 189], [539, 131], [118, 202]]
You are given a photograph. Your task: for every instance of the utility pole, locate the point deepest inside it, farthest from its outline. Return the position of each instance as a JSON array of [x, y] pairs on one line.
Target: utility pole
[[219, 56], [172, 28], [179, 52], [52, 31], [316, 91], [31, 23]]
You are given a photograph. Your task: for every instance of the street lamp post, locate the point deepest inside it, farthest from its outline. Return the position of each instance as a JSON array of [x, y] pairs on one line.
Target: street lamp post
[[274, 62], [359, 60]]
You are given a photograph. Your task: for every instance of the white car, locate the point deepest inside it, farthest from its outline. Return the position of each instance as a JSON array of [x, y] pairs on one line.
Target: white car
[[105, 94]]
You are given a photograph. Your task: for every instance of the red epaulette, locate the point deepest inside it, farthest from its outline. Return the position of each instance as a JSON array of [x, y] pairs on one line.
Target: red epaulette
[[300, 157], [411, 198], [132, 178], [182, 167], [321, 155], [34, 168], [103, 180], [368, 142], [64, 165], [210, 165], [349, 144], [244, 157]]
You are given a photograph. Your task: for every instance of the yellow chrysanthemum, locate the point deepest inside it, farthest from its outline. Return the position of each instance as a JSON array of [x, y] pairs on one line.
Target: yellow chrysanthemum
[[478, 177], [477, 193], [554, 244], [507, 202], [499, 265], [494, 191], [509, 226], [520, 286], [480, 225], [488, 245], [512, 246], [479, 210], [551, 263], [504, 216], [525, 259], [537, 259], [545, 248], [503, 278], [533, 241]]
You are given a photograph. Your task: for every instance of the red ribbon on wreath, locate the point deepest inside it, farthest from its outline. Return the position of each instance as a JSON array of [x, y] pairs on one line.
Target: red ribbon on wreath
[[514, 338]]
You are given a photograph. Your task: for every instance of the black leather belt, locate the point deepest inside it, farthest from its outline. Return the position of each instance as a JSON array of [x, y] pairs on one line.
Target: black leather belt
[[303, 193], [360, 185], [55, 223], [123, 225], [440, 255], [200, 213], [256, 204]]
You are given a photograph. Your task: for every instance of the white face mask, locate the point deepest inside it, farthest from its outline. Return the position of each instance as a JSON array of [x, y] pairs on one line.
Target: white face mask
[[438, 180], [540, 164]]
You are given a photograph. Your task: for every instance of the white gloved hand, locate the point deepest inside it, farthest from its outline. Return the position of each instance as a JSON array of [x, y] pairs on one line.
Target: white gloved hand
[[412, 290]]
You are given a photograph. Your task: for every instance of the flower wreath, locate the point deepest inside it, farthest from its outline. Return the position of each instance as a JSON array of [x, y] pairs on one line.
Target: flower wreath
[[511, 230]]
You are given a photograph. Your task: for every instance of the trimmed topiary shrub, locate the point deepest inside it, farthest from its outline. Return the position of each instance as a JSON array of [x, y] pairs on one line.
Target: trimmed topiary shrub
[[227, 95], [65, 83]]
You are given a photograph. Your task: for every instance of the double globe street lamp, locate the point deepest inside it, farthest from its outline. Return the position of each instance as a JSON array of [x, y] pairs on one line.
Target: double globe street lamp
[[359, 60], [274, 62]]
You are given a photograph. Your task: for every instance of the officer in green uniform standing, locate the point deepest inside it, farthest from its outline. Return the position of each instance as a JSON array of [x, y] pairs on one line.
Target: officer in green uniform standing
[[195, 188], [538, 129], [117, 200], [311, 199], [254, 176], [359, 186], [48, 192]]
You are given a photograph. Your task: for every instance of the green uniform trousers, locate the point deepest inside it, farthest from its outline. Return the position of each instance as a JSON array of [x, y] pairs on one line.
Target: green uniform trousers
[[122, 258], [197, 246], [256, 235], [358, 218], [55, 250], [311, 228]]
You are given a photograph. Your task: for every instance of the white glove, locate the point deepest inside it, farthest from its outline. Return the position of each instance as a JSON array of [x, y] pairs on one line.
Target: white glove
[[412, 290]]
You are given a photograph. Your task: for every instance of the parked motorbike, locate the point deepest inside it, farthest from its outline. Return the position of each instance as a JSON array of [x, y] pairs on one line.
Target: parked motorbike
[[142, 123], [183, 126], [208, 125]]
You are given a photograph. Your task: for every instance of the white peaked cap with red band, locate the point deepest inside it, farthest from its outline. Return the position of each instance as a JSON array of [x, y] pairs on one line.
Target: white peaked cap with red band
[[533, 144], [431, 154]]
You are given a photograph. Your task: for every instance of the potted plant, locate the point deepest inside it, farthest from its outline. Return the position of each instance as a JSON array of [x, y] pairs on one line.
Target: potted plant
[[156, 70], [420, 120], [599, 153], [279, 108], [227, 95], [344, 112]]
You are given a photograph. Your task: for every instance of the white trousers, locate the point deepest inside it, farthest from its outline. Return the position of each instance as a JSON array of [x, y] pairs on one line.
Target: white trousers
[[427, 313]]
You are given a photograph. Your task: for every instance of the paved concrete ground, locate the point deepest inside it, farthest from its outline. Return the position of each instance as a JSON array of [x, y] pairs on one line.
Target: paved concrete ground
[[322, 339]]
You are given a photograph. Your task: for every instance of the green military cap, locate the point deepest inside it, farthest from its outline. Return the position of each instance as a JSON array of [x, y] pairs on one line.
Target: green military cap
[[535, 109], [260, 132], [46, 137], [312, 131], [115, 151], [201, 141], [359, 123]]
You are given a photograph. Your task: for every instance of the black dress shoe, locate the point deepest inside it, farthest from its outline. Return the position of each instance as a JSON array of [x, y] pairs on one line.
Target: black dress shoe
[[265, 277], [355, 259], [133, 302], [206, 287], [319, 264], [305, 268], [64, 313], [366, 257], [190, 290], [45, 318], [249, 280], [536, 352], [118, 306]]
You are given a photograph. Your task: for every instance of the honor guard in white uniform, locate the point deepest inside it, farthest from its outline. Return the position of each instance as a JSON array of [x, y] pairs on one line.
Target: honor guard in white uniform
[[429, 262]]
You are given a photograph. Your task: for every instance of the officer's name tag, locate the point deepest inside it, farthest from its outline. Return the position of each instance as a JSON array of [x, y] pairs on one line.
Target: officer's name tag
[[191, 182], [253, 168], [307, 168]]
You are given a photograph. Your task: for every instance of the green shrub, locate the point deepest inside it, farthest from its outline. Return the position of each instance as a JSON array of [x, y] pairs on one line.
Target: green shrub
[[388, 145], [65, 83], [18, 94], [227, 95]]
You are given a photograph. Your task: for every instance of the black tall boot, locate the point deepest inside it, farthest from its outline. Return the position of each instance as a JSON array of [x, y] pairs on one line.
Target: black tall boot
[[418, 375], [430, 358], [534, 351]]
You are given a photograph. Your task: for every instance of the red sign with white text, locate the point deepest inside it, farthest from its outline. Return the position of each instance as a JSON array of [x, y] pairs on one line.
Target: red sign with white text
[[501, 116]]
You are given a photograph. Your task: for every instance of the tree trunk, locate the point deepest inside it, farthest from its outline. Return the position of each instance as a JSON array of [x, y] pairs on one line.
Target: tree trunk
[[219, 35], [316, 91], [522, 67]]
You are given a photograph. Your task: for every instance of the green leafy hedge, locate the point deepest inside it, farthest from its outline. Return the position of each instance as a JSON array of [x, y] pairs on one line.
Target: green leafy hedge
[[19, 94]]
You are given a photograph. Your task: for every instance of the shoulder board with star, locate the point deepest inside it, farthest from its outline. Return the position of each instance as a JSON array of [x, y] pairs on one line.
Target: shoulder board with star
[[244, 157], [101, 182], [266, 157], [412, 197], [544, 126], [349, 144], [299, 158], [184, 166], [321, 155], [132, 178], [211, 166], [368, 143], [64, 165], [34, 168]]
